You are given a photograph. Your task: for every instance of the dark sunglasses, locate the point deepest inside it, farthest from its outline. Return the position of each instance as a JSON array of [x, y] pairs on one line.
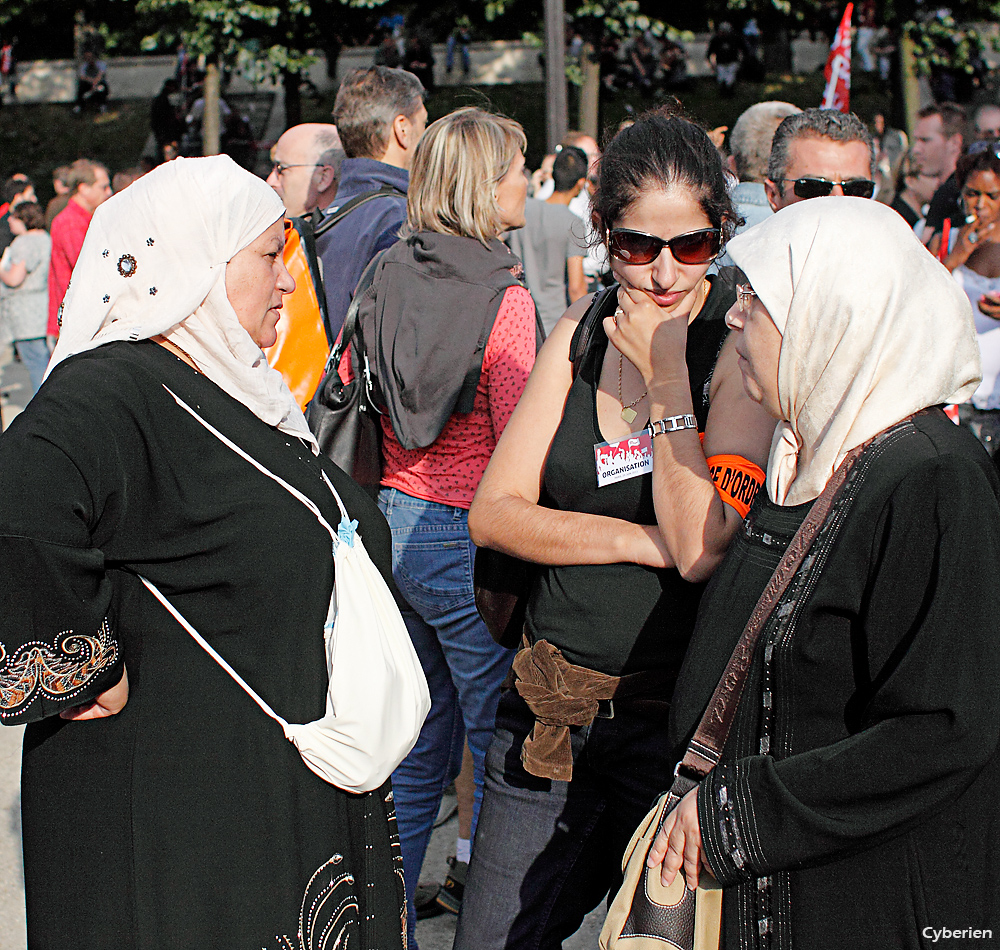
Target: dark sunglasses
[[637, 247], [820, 187], [986, 145]]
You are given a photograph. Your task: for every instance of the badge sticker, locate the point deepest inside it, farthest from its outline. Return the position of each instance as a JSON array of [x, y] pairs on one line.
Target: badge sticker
[[628, 458]]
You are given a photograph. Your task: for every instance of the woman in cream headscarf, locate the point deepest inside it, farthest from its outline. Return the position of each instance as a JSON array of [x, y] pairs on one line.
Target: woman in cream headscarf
[[161, 807], [855, 802]]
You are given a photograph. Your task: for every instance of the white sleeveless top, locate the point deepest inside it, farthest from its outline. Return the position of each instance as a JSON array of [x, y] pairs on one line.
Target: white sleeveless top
[[987, 396]]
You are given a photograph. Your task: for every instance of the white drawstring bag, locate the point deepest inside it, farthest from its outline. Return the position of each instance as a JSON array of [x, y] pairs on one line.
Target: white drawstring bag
[[377, 696]]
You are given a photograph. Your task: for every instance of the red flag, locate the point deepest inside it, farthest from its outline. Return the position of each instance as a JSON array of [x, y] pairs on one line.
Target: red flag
[[838, 67]]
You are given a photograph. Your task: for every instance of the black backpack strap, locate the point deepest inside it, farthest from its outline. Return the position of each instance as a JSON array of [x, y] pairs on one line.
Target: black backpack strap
[[467, 394], [305, 226], [311, 226], [604, 304], [350, 332], [326, 222]]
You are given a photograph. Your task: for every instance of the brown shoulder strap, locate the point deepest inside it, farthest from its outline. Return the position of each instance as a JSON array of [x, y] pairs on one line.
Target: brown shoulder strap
[[705, 748]]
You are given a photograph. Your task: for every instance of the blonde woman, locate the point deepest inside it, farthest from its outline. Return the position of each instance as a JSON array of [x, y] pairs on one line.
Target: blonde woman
[[450, 331]]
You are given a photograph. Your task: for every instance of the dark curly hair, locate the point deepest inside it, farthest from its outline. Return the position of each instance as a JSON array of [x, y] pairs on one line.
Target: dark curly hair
[[662, 150], [982, 157]]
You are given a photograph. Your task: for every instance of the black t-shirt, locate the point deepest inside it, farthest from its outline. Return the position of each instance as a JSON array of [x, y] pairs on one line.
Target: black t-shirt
[[946, 203], [6, 235], [619, 618], [726, 49], [907, 213]]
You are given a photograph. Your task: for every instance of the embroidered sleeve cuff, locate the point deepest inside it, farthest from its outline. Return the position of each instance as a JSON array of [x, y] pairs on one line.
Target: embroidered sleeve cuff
[[39, 679], [722, 806]]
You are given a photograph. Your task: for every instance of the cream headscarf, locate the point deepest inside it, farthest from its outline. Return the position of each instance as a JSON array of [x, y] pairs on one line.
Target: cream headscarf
[[873, 329], [154, 262]]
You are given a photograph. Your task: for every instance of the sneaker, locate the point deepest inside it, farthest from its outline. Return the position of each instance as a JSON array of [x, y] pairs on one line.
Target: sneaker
[[449, 897], [425, 901]]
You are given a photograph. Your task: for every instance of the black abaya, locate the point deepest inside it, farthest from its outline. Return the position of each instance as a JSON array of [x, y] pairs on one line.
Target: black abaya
[[187, 820]]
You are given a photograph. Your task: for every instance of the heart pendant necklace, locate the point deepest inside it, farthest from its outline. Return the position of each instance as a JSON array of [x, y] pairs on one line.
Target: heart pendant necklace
[[628, 413]]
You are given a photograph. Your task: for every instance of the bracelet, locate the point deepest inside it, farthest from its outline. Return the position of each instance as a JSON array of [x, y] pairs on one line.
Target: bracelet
[[673, 424]]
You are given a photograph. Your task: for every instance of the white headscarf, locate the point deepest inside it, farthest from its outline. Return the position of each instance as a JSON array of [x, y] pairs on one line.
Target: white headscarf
[[154, 263], [873, 329]]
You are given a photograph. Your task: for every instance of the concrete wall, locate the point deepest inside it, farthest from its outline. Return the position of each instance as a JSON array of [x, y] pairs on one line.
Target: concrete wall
[[140, 77]]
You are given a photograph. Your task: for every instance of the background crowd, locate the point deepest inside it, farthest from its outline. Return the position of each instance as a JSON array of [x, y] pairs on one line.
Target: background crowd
[[492, 412]]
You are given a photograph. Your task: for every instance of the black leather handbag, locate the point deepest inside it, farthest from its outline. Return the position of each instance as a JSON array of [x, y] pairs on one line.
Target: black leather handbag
[[502, 584], [344, 416]]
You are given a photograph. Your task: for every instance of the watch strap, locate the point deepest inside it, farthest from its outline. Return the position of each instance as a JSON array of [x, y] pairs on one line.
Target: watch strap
[[674, 424]]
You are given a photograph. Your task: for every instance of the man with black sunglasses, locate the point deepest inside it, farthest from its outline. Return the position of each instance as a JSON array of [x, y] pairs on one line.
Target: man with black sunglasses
[[820, 152]]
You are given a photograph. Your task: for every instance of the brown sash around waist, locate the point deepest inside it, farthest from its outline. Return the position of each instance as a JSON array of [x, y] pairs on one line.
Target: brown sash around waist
[[561, 694]]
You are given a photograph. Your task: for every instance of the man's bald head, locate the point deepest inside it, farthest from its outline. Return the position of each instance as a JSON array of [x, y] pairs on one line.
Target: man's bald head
[[306, 167], [987, 123]]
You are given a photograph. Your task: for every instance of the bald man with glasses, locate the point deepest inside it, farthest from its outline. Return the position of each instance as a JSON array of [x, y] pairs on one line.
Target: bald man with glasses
[[305, 167], [819, 152]]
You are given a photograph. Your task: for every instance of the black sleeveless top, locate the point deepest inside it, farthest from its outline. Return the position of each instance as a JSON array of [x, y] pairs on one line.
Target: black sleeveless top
[[619, 618]]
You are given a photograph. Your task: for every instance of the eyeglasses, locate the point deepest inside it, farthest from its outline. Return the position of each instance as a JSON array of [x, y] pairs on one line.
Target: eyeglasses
[[637, 247], [279, 168], [745, 296], [820, 187]]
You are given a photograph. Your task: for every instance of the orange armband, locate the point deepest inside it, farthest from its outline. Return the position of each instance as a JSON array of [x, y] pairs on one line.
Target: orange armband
[[736, 479]]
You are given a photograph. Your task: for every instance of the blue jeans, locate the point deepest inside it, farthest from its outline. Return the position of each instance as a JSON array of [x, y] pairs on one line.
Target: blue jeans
[[432, 566], [35, 356], [546, 851]]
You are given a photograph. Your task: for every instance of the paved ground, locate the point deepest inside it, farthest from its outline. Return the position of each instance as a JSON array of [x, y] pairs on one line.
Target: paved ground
[[13, 393], [11, 873], [439, 932]]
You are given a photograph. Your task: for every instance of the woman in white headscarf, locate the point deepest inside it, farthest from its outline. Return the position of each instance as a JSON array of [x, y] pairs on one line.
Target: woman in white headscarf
[[855, 801], [160, 806]]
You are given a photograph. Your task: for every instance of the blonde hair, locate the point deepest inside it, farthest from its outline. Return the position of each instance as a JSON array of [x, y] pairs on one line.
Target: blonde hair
[[456, 168]]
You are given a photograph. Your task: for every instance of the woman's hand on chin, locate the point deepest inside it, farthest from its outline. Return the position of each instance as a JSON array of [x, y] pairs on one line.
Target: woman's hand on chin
[[650, 337], [109, 703]]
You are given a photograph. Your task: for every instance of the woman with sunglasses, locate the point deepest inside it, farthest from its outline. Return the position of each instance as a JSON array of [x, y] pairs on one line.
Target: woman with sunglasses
[[974, 259], [604, 479]]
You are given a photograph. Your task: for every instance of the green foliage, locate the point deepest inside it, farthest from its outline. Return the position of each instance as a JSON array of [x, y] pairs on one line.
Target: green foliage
[[620, 17], [261, 39], [940, 42], [768, 8]]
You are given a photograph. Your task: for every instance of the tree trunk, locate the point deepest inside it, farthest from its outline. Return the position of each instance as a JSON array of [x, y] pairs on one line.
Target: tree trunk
[[910, 83], [210, 125], [590, 92], [293, 98], [557, 120], [778, 52]]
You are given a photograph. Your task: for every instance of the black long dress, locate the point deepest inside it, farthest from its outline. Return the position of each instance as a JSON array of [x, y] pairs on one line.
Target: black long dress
[[187, 820], [855, 802]]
